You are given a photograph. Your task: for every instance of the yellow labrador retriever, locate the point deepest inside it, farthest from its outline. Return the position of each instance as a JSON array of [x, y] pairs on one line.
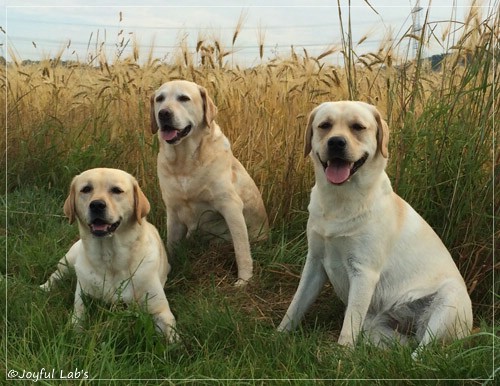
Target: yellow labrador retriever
[[384, 261], [203, 185], [120, 256]]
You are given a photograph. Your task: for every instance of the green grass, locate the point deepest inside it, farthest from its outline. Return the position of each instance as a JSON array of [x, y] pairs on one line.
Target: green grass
[[65, 119], [226, 333]]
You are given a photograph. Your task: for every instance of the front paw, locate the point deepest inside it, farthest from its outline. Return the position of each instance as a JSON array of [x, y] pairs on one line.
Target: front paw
[[171, 335], [77, 323], [243, 279], [45, 286], [285, 326], [346, 340], [241, 283]]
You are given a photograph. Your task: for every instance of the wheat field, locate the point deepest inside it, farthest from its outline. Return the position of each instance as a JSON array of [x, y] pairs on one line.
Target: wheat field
[[65, 117]]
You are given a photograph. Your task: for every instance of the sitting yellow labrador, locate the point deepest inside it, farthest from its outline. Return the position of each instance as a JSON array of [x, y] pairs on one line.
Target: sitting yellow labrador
[[384, 261], [120, 255], [203, 185]]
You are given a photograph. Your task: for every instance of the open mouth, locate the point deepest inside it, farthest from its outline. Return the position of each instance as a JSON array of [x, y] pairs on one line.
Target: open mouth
[[172, 135], [101, 228], [338, 170]]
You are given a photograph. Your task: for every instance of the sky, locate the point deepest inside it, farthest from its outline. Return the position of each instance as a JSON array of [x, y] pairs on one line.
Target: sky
[[41, 29]]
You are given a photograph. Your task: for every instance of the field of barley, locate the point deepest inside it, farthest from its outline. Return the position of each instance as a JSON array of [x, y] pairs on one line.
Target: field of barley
[[66, 117]]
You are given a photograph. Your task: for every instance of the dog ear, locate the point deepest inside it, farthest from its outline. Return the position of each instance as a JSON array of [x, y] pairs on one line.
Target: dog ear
[[69, 204], [382, 135], [209, 108], [154, 124], [309, 134], [141, 203]]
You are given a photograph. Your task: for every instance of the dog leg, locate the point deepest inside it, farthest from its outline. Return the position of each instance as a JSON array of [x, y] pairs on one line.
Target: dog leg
[[78, 309], [158, 306], [362, 287], [63, 266], [311, 282], [165, 324], [232, 211], [176, 231], [450, 317]]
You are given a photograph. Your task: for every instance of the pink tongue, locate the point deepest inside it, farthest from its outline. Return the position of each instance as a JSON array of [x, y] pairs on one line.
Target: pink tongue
[[102, 227], [338, 172], [168, 135]]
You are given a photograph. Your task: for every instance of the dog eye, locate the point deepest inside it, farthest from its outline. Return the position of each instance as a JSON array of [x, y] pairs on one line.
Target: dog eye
[[86, 189], [357, 127], [183, 98], [160, 98], [325, 125], [116, 190]]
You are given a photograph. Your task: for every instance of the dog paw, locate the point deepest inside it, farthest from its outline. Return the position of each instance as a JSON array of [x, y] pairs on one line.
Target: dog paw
[[77, 323], [45, 287], [416, 355], [284, 327], [77, 327], [172, 336], [241, 283], [346, 341]]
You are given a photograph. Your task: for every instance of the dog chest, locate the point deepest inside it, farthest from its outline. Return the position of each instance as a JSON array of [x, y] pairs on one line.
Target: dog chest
[[198, 215], [340, 263], [111, 287], [107, 280], [335, 259], [181, 186]]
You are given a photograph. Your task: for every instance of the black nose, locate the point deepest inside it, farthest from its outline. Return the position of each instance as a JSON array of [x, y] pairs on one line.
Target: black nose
[[97, 206], [337, 144], [165, 115]]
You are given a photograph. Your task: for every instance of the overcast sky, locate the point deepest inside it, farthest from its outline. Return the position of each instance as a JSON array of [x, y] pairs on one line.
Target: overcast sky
[[42, 28]]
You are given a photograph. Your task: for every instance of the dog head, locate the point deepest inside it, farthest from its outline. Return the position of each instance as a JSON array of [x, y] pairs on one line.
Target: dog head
[[343, 137], [105, 201], [179, 109]]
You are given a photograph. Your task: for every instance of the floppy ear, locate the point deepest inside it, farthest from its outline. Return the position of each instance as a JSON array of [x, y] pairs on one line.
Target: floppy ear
[[154, 124], [69, 204], [209, 108], [309, 134], [382, 135], [141, 203]]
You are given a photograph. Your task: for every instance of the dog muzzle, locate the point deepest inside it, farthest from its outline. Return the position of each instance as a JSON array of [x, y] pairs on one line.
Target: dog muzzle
[[100, 228], [172, 135], [338, 170]]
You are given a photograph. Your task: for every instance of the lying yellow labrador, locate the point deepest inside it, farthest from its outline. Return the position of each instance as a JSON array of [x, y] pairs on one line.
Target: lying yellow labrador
[[203, 185], [384, 261], [120, 256]]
